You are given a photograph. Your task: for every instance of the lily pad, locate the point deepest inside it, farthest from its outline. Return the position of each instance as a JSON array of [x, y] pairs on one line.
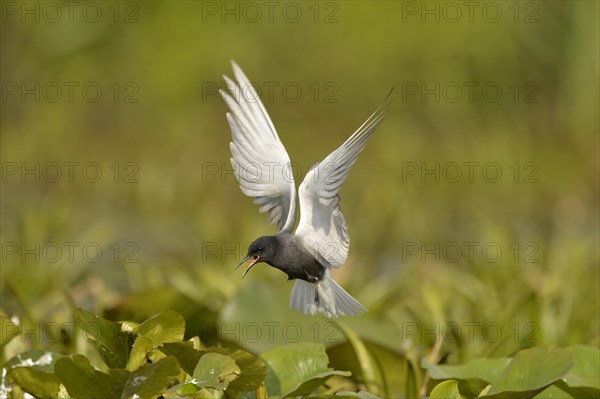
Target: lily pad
[[36, 382], [583, 380], [112, 342], [483, 369], [252, 369], [297, 369], [586, 367], [150, 380], [139, 353], [530, 371], [83, 381], [445, 390], [184, 352], [554, 392], [33, 371], [215, 371]]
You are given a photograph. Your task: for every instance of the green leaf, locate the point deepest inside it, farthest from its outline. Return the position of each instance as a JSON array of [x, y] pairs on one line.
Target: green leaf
[[586, 367], [530, 371], [486, 370], [33, 371], [353, 395], [472, 376], [8, 330], [583, 380], [38, 383], [185, 390], [139, 352], [554, 392], [112, 342], [215, 371], [83, 381], [297, 369], [445, 390], [370, 371], [150, 380], [314, 382], [185, 354], [167, 326], [252, 369]]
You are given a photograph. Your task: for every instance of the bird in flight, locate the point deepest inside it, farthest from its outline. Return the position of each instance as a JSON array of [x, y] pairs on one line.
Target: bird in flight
[[263, 169]]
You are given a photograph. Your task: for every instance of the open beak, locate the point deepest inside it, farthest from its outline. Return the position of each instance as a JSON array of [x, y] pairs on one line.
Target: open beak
[[253, 261]]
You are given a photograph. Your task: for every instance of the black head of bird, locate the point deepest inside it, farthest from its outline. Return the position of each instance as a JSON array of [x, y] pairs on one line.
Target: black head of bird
[[261, 250]]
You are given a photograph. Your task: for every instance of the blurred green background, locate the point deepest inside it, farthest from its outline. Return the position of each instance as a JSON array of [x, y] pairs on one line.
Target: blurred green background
[[171, 221]]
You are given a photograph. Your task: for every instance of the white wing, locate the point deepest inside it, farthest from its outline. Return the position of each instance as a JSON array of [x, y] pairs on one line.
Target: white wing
[[260, 161], [322, 227]]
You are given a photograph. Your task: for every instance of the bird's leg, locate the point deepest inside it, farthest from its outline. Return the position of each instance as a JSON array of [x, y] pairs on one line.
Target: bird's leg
[[315, 281]]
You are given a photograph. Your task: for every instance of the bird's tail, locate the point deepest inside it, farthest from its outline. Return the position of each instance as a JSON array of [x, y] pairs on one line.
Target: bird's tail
[[325, 297]]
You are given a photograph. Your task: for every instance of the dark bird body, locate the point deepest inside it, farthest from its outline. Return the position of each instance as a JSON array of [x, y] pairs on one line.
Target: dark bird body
[[285, 252]]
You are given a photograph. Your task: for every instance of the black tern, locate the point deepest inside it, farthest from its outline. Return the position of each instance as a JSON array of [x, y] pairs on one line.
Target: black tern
[[263, 170]]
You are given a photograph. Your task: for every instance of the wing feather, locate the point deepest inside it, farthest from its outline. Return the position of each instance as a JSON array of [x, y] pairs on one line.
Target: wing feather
[[322, 225], [259, 159]]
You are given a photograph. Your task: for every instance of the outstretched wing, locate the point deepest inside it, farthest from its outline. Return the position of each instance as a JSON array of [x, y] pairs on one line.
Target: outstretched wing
[[322, 227], [260, 161]]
